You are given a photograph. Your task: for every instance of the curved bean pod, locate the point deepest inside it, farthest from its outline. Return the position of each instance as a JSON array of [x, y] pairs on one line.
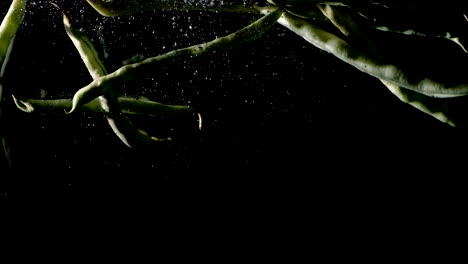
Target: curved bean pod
[[448, 110], [377, 61], [120, 124], [128, 72], [8, 28], [420, 18], [128, 106]]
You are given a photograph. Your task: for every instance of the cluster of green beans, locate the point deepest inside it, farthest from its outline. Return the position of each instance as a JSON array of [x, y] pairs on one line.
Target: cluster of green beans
[[358, 32], [10, 25], [101, 95]]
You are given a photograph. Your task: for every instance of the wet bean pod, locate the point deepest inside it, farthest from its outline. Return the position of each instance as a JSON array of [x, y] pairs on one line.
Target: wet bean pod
[[112, 81]]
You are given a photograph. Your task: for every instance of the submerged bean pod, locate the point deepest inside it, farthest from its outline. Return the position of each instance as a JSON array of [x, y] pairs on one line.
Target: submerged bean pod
[[407, 58], [10, 25], [448, 110], [412, 59], [387, 57], [107, 83], [128, 105], [128, 133]]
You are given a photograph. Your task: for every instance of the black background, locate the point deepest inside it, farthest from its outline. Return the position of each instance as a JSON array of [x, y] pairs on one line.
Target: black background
[[276, 111]]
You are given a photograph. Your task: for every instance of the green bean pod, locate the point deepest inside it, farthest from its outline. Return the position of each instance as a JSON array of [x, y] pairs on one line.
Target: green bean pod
[[398, 59], [107, 83], [447, 110], [128, 105], [85, 48], [10, 25], [120, 124]]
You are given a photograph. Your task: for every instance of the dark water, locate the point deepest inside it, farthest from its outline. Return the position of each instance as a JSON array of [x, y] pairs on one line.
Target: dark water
[[276, 110]]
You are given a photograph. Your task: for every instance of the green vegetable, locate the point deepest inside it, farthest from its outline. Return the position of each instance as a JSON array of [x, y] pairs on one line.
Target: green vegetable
[[128, 106], [110, 82], [121, 125], [10, 25], [417, 50], [401, 59], [448, 110]]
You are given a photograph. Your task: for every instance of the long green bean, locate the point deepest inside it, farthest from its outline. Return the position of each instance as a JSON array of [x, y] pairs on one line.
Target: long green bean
[[128, 105], [10, 25], [351, 30], [448, 110], [128, 72], [125, 7], [373, 61], [128, 133], [8, 29]]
